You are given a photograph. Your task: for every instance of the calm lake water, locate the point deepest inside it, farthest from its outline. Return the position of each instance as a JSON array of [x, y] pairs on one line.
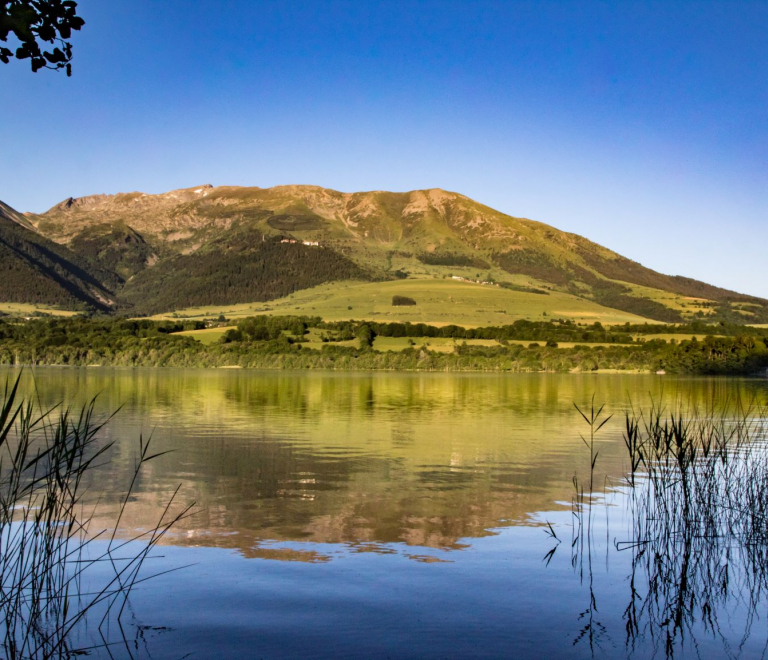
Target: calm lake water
[[389, 515]]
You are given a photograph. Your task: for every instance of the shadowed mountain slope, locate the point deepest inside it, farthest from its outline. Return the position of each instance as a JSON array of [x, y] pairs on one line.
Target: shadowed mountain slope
[[34, 269]]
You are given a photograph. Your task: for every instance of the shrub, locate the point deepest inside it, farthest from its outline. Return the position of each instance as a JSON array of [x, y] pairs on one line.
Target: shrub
[[398, 301]]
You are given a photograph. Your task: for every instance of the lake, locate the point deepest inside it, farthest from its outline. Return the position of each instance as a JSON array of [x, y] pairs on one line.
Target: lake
[[391, 515]]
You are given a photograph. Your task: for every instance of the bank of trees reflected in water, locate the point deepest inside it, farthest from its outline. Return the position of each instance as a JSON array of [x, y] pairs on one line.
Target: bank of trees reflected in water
[[446, 473]]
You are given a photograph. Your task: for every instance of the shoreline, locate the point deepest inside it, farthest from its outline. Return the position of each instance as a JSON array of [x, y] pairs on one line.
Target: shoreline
[[289, 343], [363, 370]]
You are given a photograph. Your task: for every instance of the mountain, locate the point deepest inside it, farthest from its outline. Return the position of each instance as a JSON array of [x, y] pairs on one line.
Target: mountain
[[221, 245], [35, 269]]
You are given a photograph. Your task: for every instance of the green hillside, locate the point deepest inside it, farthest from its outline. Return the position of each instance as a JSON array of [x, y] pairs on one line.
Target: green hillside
[[224, 246], [438, 302]]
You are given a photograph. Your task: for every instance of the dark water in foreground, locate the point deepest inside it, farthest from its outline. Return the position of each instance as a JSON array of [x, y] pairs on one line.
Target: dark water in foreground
[[393, 516]]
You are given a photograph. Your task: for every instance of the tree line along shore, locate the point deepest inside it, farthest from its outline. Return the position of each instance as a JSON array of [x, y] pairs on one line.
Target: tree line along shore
[[289, 342]]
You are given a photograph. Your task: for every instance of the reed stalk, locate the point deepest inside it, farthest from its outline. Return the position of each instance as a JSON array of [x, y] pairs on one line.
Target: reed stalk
[[47, 546], [697, 496]]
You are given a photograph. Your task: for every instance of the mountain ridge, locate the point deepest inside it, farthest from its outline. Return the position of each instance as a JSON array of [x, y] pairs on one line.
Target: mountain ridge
[[372, 234]]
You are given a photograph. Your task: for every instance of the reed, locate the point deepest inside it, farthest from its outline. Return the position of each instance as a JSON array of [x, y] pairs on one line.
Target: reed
[[699, 472], [696, 492], [698, 498], [47, 546]]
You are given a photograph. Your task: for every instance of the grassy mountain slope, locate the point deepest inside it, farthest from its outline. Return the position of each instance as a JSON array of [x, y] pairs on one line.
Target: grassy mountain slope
[[201, 246], [34, 269], [438, 302]]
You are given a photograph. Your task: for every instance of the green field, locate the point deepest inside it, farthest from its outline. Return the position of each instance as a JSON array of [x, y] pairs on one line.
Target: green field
[[440, 344], [439, 302], [669, 336], [22, 309], [207, 336]]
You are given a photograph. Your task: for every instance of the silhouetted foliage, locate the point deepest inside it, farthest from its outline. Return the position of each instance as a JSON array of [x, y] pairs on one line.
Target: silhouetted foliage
[[38, 22]]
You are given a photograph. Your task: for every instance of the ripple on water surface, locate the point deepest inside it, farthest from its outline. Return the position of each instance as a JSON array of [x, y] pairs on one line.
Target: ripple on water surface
[[379, 515]]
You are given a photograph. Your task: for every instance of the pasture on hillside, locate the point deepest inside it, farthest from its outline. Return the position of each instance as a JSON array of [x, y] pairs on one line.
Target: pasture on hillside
[[206, 336], [438, 302], [24, 309]]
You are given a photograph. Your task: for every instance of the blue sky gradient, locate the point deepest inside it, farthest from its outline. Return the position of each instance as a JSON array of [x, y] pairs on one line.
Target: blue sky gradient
[[640, 125]]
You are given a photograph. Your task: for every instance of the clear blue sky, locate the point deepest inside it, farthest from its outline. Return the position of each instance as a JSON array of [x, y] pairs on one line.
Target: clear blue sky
[[641, 125]]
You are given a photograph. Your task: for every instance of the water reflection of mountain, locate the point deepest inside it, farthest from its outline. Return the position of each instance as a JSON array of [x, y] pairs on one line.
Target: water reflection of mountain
[[429, 460]]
